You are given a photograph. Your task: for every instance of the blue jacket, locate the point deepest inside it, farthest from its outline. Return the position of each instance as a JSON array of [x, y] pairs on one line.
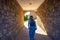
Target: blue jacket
[[32, 27]]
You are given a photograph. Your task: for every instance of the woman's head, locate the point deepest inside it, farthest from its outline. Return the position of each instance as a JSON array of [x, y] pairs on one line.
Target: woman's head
[[31, 17]]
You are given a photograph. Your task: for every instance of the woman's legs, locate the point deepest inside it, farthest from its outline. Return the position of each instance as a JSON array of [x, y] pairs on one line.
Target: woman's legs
[[31, 34]]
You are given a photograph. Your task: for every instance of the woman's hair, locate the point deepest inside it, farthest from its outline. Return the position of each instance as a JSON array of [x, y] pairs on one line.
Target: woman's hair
[[31, 17]]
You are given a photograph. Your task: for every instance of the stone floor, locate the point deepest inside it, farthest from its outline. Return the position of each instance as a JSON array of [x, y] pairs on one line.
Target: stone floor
[[24, 35], [39, 35]]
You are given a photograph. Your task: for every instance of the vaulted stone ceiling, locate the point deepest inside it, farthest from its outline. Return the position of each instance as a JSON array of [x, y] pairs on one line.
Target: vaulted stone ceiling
[[30, 4]]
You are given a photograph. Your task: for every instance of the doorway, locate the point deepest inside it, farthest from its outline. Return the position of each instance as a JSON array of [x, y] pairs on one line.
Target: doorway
[[40, 28]]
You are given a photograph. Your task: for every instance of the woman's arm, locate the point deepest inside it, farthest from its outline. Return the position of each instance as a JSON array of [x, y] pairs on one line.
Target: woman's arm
[[35, 26], [29, 23]]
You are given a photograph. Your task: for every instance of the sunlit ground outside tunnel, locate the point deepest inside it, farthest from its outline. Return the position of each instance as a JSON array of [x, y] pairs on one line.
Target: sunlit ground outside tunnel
[[39, 29]]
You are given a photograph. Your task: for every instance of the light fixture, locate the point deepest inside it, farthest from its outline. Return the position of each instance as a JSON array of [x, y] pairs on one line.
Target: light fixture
[[30, 3]]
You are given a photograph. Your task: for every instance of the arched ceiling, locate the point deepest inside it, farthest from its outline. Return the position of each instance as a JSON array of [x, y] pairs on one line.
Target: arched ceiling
[[30, 4]]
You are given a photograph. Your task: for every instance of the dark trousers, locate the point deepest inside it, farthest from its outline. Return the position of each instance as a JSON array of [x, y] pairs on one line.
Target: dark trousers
[[31, 34]]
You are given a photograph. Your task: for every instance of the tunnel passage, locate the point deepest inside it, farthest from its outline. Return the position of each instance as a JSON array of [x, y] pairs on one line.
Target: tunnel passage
[[12, 17]]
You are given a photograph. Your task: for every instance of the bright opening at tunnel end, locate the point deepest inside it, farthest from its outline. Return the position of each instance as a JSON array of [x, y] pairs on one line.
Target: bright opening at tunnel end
[[39, 29]]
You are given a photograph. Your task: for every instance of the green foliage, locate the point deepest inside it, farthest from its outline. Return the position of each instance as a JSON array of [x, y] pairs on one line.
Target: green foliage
[[26, 18]]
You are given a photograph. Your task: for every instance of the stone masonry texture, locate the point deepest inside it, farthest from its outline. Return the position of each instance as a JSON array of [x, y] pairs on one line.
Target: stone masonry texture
[[9, 27], [49, 12]]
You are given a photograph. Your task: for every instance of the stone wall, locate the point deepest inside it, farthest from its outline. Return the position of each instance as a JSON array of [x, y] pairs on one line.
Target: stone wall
[[49, 12], [10, 11]]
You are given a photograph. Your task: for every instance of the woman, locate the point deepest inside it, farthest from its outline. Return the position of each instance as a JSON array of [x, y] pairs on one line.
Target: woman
[[32, 27]]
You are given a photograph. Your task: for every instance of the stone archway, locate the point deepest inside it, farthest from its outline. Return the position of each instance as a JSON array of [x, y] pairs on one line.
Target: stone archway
[[12, 17], [40, 28]]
